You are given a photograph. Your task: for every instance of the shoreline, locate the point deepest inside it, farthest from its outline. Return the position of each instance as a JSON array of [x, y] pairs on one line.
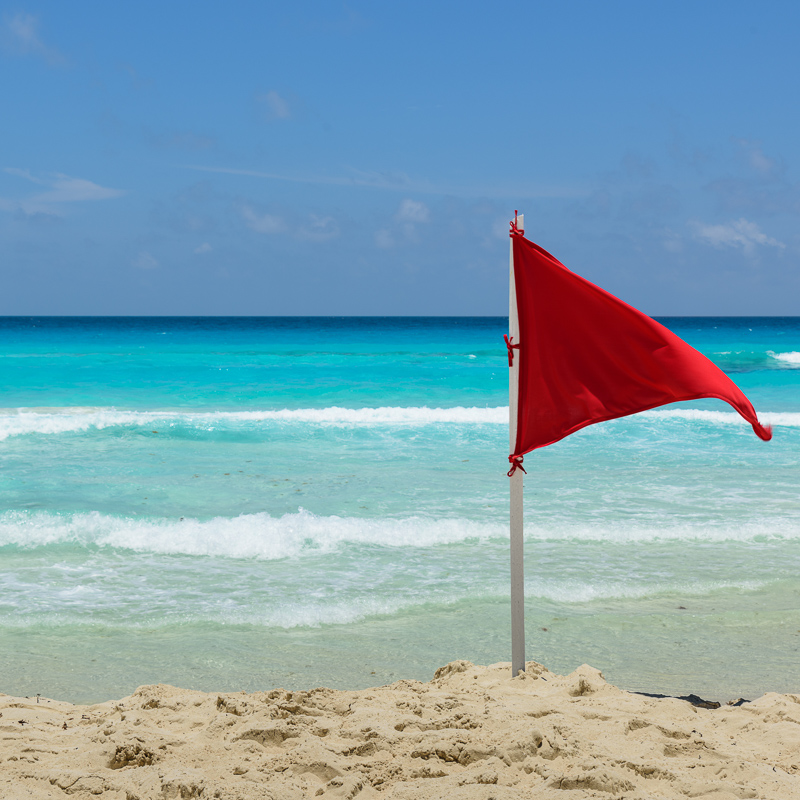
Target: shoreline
[[470, 732]]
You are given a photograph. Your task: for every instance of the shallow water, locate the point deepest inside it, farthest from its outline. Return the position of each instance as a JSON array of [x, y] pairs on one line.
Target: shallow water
[[244, 503]]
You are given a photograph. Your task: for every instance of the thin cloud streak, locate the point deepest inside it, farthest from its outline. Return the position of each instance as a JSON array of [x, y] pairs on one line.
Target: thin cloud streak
[[275, 106], [60, 189], [401, 184], [739, 233], [20, 36]]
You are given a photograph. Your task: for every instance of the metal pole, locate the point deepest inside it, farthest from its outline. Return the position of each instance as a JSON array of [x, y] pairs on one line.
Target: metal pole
[[517, 562]]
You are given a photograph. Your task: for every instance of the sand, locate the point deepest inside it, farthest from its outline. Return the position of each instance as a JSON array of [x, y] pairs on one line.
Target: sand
[[472, 732]]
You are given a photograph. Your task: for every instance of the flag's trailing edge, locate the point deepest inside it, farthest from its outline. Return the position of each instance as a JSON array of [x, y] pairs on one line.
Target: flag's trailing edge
[[585, 357]]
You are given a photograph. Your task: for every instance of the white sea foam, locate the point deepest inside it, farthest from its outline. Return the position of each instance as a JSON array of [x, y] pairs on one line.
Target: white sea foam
[[18, 422], [26, 421], [247, 536], [782, 528], [571, 591], [787, 358], [789, 419], [113, 605], [287, 616], [261, 536]]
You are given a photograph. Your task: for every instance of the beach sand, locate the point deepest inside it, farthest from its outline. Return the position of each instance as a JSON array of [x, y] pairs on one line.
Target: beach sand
[[471, 732]]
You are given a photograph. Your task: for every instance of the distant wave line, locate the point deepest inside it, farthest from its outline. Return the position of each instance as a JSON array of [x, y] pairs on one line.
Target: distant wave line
[[16, 422], [25, 421]]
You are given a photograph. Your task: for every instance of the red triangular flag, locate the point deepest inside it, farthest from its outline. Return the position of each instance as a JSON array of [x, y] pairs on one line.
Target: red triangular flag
[[585, 356]]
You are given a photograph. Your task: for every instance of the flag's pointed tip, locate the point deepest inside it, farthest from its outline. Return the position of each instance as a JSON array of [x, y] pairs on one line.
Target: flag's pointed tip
[[763, 431]]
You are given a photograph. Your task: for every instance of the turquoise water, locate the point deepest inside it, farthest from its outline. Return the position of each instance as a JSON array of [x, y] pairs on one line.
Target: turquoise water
[[241, 503]]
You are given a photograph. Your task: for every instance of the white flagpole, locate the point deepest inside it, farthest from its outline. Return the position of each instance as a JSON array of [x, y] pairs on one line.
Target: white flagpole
[[517, 563]]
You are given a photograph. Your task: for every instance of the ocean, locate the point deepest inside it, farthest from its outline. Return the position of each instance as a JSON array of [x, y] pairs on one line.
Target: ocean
[[246, 503]]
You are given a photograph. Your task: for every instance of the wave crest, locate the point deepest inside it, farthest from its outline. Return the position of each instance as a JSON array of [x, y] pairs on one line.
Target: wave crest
[[261, 536], [247, 536], [792, 358], [44, 421], [19, 422]]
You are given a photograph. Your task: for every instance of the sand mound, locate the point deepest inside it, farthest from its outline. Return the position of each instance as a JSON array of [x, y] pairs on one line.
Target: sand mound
[[472, 732]]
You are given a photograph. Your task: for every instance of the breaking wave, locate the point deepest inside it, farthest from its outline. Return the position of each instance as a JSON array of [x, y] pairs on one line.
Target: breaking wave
[[43, 421], [259, 536], [262, 536], [786, 358], [18, 422]]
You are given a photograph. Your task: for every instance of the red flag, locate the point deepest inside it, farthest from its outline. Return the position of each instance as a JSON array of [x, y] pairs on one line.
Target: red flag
[[585, 356]]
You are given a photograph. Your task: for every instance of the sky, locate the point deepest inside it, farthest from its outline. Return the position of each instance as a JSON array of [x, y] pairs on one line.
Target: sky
[[263, 158]]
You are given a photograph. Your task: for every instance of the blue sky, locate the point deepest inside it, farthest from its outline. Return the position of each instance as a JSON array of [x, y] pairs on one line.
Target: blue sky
[[365, 158]]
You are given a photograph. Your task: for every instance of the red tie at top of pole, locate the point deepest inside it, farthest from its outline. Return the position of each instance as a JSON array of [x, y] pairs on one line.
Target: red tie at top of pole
[[585, 356], [516, 230]]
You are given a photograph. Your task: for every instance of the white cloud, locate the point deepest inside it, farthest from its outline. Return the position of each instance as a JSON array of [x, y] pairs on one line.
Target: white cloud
[[671, 241], [760, 162], [145, 260], [739, 233], [320, 229], [59, 189], [402, 229], [23, 28], [276, 107], [412, 211], [70, 190], [20, 36], [316, 228], [203, 248], [22, 173], [262, 223], [755, 156], [384, 239]]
